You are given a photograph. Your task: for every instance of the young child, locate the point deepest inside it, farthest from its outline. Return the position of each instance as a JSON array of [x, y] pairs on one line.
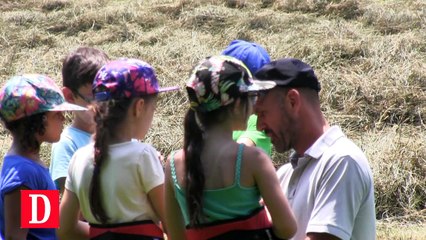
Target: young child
[[254, 57], [213, 185], [31, 109], [78, 71], [117, 182]]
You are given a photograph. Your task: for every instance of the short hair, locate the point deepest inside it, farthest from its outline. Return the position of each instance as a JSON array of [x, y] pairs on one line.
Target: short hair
[[80, 66]]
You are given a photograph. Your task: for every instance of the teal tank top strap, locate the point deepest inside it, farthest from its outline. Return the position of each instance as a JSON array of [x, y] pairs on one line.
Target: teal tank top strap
[[238, 164], [172, 168]]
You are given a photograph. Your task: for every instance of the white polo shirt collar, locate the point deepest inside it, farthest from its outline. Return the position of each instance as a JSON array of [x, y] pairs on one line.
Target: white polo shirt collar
[[318, 148]]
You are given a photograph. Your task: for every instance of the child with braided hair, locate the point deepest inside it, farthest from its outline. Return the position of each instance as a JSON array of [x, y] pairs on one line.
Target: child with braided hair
[[117, 182]]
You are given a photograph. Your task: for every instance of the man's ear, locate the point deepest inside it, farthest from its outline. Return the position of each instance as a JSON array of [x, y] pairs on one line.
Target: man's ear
[[68, 95], [293, 98]]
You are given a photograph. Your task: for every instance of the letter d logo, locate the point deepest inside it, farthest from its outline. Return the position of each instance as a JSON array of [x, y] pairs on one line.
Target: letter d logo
[[39, 208]]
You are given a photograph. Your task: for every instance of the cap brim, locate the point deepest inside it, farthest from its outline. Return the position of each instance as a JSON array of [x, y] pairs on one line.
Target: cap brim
[[261, 85], [68, 107], [168, 89]]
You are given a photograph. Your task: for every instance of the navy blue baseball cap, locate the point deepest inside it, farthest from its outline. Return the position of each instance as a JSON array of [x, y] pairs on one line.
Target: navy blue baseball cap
[[251, 54], [289, 72]]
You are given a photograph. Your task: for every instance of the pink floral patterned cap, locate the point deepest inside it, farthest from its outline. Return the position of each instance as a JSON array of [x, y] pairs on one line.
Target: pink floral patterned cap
[[218, 80], [126, 78], [29, 94]]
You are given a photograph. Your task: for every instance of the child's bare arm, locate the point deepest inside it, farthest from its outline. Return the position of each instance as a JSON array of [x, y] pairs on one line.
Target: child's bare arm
[[284, 223], [12, 210], [70, 225], [173, 213], [156, 198]]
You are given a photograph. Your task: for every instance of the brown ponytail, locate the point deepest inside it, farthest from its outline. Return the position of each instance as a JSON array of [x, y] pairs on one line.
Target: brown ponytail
[[108, 116], [194, 175], [194, 125]]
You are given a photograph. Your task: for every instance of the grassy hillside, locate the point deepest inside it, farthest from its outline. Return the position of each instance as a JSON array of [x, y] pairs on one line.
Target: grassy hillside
[[370, 56]]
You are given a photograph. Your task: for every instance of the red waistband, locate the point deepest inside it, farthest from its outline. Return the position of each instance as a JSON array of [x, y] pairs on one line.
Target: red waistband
[[143, 229], [256, 221]]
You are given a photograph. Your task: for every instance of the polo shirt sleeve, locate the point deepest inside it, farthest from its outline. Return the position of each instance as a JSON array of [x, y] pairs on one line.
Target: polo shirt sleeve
[[151, 170], [338, 197]]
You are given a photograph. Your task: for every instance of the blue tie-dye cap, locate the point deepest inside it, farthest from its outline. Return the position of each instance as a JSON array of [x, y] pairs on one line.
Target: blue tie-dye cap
[[29, 94], [126, 78]]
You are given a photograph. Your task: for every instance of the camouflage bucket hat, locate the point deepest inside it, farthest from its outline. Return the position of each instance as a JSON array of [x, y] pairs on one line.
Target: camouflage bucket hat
[[218, 80], [29, 94]]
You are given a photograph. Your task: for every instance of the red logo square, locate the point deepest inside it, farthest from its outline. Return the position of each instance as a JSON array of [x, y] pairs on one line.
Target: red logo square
[[39, 208]]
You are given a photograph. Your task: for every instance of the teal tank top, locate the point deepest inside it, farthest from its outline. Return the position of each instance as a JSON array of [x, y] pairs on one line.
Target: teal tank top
[[224, 203]]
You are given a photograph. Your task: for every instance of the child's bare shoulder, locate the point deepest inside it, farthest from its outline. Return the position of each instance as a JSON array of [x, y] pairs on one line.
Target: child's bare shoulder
[[255, 157], [177, 156]]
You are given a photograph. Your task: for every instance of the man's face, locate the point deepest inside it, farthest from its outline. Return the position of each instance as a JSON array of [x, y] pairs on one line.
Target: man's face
[[275, 118]]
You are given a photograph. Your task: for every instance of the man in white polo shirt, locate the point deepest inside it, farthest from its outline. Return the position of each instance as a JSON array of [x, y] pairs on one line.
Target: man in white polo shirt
[[328, 181]]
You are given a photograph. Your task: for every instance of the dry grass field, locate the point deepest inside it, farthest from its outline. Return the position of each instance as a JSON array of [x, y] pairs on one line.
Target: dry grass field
[[370, 56]]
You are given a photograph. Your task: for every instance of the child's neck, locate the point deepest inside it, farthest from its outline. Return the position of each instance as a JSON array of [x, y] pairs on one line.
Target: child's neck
[[17, 149], [84, 127], [220, 132], [126, 131]]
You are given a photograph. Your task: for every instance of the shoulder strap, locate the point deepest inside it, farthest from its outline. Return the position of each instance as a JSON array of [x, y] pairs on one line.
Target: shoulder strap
[[172, 168], [238, 163]]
